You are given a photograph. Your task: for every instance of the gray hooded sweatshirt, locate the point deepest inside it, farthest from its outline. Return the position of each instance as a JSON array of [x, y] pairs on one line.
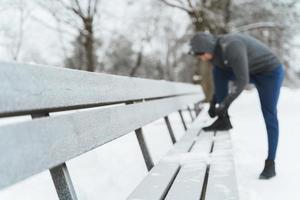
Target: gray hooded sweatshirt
[[240, 53]]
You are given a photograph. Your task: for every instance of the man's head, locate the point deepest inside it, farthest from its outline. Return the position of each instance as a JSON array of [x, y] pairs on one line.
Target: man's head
[[203, 46]]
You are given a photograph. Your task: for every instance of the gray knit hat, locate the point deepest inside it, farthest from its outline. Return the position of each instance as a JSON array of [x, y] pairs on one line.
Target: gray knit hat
[[203, 43]]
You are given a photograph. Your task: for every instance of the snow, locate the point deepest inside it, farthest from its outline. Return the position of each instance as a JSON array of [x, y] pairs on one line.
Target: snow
[[113, 170], [249, 139]]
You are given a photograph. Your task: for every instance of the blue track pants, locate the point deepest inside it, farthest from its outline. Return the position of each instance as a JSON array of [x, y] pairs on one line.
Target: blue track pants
[[268, 85]]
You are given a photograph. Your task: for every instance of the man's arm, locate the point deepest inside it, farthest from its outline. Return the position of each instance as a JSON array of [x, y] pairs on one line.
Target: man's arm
[[236, 56]]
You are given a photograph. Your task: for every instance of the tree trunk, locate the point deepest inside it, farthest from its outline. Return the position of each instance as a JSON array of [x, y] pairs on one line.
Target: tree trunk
[[89, 44], [138, 62], [206, 80]]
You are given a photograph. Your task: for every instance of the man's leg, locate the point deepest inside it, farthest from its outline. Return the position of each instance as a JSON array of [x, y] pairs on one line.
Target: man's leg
[[268, 86], [221, 79]]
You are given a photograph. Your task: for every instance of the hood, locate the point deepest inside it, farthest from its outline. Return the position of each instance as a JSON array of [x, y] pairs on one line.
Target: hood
[[203, 43]]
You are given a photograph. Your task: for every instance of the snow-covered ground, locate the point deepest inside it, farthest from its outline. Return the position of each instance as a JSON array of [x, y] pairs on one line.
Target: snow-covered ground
[[111, 172], [249, 138]]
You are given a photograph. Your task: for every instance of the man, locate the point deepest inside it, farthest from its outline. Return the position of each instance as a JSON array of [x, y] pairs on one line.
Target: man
[[241, 59]]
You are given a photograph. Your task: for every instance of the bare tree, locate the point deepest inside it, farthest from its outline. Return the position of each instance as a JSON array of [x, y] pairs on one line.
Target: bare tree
[[149, 24], [80, 16], [15, 35], [23, 15]]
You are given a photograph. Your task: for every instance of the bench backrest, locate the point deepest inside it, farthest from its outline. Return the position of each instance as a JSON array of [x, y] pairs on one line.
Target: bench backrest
[[45, 142]]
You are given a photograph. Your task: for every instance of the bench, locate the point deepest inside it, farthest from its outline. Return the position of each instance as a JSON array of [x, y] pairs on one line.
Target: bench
[[108, 107]]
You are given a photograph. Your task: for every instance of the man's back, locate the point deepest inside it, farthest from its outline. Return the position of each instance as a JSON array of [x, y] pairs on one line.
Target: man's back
[[260, 57]]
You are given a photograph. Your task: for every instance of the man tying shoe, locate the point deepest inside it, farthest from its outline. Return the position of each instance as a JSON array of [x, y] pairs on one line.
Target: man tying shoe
[[242, 59]]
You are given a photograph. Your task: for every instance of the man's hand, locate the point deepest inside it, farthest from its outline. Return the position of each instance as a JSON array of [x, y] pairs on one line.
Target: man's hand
[[221, 110]]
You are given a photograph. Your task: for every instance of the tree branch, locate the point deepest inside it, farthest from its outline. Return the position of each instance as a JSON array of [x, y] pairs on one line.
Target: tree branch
[[190, 4], [77, 11], [96, 7], [179, 1], [79, 7], [176, 6], [89, 8], [256, 26]]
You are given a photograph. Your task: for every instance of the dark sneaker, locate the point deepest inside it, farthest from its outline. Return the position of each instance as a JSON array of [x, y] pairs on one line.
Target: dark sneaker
[[221, 124], [269, 170]]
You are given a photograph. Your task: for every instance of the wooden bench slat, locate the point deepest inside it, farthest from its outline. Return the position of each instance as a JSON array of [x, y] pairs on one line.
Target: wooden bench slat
[[188, 183], [222, 180], [186, 142], [182, 152], [203, 143], [30, 147], [222, 183], [222, 143], [224, 134], [157, 182], [183, 145], [199, 150], [42, 88]]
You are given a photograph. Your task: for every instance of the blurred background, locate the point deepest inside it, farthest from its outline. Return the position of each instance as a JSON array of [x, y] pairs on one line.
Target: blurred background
[[145, 38]]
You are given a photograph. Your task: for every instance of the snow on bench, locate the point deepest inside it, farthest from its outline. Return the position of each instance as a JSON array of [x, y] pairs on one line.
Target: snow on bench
[[222, 180], [200, 166]]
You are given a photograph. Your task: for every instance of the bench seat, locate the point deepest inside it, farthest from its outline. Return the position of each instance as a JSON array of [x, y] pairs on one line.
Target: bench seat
[[222, 183], [200, 166]]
